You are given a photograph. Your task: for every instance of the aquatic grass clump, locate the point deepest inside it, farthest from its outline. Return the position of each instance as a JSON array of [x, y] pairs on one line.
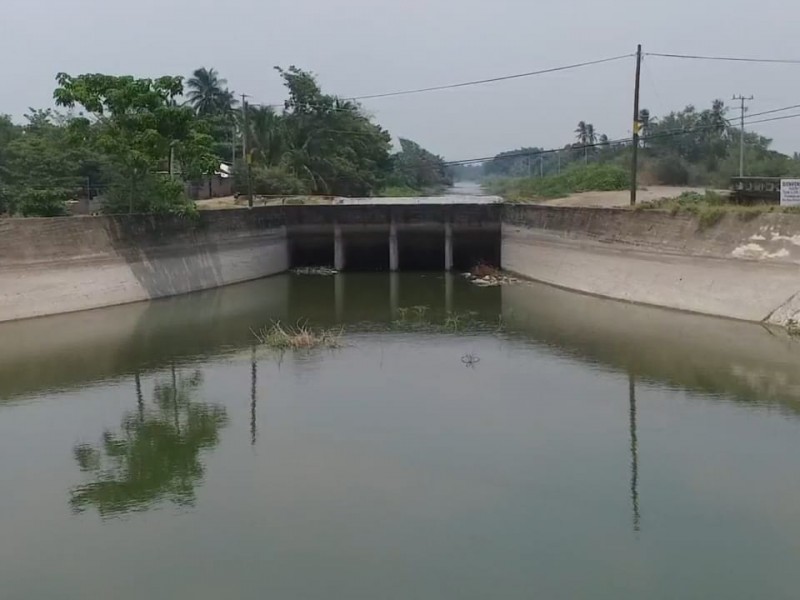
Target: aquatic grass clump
[[298, 337]]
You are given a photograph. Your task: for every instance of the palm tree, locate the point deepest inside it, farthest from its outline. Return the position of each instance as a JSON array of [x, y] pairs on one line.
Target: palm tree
[[207, 93], [586, 137], [591, 139], [581, 133], [265, 136]]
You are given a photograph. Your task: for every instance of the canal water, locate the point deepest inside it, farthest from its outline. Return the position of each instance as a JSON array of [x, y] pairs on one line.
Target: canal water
[[464, 442]]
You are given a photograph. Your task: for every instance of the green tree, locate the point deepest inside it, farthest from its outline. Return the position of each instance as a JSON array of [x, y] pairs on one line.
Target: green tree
[[417, 168], [207, 93], [330, 144], [48, 165], [142, 129]]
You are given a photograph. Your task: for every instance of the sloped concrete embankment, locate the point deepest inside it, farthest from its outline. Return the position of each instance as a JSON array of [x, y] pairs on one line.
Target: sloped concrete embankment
[[50, 266], [743, 267]]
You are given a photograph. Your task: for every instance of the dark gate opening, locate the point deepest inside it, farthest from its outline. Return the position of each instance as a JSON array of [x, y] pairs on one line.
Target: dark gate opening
[[472, 248], [421, 251], [311, 251], [366, 252]]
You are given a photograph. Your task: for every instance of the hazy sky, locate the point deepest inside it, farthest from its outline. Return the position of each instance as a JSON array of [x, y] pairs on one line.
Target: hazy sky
[[359, 47]]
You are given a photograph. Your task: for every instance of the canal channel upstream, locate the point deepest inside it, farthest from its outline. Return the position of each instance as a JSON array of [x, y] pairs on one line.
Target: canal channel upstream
[[465, 442]]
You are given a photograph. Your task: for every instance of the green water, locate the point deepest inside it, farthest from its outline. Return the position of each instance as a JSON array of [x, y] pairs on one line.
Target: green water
[[545, 445]]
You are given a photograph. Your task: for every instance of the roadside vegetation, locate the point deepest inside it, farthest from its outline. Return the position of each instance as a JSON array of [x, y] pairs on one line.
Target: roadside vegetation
[[710, 207], [142, 144], [690, 147], [579, 178]]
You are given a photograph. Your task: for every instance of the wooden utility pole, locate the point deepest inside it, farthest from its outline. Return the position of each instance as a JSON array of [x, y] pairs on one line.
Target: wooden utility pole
[[636, 126], [245, 158], [741, 132]]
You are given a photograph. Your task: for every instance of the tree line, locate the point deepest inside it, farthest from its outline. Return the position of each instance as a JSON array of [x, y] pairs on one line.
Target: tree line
[[138, 142], [686, 147]]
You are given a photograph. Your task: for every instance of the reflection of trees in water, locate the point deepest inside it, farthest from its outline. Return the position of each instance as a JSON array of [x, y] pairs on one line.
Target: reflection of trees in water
[[155, 455]]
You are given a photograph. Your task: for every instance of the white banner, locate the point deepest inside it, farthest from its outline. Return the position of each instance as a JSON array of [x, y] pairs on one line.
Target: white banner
[[790, 192]]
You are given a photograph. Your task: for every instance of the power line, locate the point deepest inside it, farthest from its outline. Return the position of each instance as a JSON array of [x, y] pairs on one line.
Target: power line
[[475, 82], [628, 140], [775, 110], [774, 119], [785, 61], [492, 79]]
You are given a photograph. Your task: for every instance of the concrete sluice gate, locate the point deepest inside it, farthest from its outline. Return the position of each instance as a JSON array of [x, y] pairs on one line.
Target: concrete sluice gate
[[406, 240]]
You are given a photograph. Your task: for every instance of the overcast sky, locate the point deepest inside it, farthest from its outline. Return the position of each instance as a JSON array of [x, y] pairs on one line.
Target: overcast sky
[[359, 47]]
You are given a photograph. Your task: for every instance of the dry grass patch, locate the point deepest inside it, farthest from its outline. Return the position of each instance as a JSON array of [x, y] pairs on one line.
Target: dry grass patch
[[298, 337]]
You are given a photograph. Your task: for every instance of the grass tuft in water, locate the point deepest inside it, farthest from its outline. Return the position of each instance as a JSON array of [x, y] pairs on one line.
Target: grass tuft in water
[[298, 337]]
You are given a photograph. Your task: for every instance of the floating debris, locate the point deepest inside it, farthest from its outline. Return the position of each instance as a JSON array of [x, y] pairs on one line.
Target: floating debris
[[314, 271], [485, 275]]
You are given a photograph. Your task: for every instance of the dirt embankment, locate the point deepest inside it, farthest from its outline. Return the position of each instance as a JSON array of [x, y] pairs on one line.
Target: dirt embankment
[[618, 199]]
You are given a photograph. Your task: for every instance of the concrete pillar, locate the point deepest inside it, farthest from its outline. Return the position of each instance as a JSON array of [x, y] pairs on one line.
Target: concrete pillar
[[394, 294], [338, 296], [338, 247], [394, 255], [448, 292], [448, 245]]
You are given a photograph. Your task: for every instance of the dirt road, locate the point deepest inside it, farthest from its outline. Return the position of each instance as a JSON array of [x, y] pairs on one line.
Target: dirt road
[[620, 198]]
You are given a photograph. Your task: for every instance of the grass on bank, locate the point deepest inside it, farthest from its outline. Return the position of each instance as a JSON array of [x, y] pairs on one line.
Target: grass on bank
[[298, 337], [710, 207], [587, 178]]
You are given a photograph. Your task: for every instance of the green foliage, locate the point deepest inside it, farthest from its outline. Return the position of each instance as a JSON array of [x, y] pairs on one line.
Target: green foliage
[[596, 177], [141, 128], [50, 202], [671, 170], [274, 181], [417, 169], [207, 93]]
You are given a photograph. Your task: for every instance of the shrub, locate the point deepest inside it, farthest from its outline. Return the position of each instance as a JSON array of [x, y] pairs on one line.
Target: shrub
[[270, 181], [43, 203], [598, 177], [670, 170]]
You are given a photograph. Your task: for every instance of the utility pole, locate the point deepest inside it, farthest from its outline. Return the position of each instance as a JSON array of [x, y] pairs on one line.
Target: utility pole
[[741, 132], [245, 158], [541, 167], [636, 126]]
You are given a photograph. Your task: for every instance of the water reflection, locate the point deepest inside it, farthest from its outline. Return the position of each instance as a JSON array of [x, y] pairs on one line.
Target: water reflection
[[253, 386], [637, 517], [154, 457]]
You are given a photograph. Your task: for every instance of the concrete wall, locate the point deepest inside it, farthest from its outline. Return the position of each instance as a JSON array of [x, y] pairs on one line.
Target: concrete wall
[[743, 269], [50, 266]]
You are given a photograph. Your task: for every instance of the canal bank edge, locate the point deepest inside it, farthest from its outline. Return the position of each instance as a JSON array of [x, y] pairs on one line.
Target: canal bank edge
[[743, 269]]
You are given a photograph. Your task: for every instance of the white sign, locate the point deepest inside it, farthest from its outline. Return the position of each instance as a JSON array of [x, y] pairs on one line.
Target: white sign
[[790, 192]]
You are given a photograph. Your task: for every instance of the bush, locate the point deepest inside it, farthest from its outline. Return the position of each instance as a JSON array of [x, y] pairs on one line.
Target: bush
[[671, 170], [150, 193], [598, 177], [270, 181], [43, 203]]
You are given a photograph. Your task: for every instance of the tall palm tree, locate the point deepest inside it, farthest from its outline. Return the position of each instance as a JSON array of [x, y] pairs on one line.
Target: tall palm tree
[[581, 133], [207, 93]]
